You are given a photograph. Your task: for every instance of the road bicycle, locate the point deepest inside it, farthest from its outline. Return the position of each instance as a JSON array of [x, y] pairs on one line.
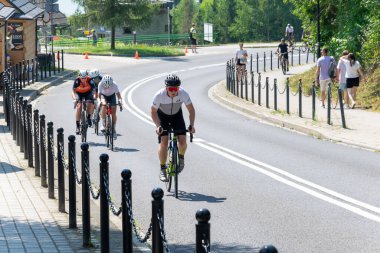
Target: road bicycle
[[284, 66], [109, 129], [83, 119], [172, 168]]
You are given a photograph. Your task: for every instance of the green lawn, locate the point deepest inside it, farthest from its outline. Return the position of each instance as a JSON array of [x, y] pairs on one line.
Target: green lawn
[[128, 50]]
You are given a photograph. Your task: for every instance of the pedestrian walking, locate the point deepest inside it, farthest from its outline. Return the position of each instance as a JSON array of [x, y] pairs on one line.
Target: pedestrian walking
[[353, 73], [341, 78], [241, 61], [94, 37], [322, 77]]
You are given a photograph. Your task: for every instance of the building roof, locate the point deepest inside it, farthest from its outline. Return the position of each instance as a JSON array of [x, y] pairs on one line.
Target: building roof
[[21, 9]]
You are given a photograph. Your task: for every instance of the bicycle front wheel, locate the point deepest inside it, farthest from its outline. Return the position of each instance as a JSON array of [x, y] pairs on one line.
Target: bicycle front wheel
[[175, 161], [283, 66], [83, 125], [169, 171]]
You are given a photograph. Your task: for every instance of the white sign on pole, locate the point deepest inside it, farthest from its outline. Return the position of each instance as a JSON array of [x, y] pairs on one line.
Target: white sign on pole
[[207, 31]]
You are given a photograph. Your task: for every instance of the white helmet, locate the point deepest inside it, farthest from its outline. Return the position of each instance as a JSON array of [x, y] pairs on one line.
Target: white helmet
[[107, 81], [288, 24], [82, 73], [93, 73]]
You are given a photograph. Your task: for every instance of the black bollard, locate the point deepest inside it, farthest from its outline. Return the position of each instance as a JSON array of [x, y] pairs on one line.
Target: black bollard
[[50, 158], [72, 184], [246, 86], [275, 94], [85, 196], [59, 64], [340, 93], [30, 136], [287, 96], [268, 249], [14, 113], [36, 144], [157, 209], [126, 197], [313, 100], [267, 92], [257, 62], [329, 103], [271, 60], [104, 210], [41, 72], [264, 62], [250, 64], [19, 123], [259, 90], [54, 62], [27, 72], [61, 170], [43, 150], [299, 56], [63, 67], [300, 98], [202, 231], [49, 64], [25, 129], [292, 58], [253, 87]]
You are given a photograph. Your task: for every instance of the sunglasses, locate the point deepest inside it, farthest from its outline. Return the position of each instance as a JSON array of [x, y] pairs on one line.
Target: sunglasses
[[173, 89]]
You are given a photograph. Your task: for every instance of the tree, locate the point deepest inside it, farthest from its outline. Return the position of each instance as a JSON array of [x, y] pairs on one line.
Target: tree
[[184, 15], [225, 13], [116, 13]]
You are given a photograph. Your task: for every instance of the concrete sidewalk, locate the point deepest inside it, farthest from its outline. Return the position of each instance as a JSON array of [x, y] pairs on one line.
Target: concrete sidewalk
[[362, 125]]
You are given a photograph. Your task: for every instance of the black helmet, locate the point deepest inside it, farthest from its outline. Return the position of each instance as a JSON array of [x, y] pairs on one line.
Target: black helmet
[[172, 80]]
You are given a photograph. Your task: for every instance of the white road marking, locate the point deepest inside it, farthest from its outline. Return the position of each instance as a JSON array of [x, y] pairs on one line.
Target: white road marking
[[282, 176]]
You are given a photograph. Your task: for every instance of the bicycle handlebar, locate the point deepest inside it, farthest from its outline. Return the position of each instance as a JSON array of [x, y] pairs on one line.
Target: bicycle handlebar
[[176, 131]]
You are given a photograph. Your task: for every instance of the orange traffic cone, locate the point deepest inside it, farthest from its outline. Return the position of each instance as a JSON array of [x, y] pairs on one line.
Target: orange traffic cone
[[137, 55], [86, 56], [186, 50]]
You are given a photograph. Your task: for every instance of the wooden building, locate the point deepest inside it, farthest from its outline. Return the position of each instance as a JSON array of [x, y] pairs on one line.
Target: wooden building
[[18, 36]]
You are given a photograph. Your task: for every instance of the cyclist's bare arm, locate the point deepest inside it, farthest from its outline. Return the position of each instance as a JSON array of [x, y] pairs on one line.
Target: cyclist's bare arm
[[191, 110], [156, 120]]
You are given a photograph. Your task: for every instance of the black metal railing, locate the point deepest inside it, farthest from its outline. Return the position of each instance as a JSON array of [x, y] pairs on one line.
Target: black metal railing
[[243, 85]]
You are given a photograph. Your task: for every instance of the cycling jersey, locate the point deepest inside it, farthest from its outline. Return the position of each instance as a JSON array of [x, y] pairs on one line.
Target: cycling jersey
[[170, 105], [92, 82], [81, 87]]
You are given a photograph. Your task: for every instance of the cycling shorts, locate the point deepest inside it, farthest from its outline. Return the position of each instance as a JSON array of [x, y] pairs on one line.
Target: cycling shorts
[[176, 121], [88, 96], [286, 56], [109, 99]]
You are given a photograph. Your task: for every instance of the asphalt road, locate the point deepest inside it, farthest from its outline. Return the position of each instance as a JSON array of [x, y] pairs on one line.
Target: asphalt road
[[262, 184]]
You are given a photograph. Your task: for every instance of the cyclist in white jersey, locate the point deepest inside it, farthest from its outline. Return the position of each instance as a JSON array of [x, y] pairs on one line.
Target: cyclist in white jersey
[[107, 93], [167, 110]]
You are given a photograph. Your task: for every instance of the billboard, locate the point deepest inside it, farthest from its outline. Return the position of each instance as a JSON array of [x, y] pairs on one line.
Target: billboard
[[207, 30], [16, 36]]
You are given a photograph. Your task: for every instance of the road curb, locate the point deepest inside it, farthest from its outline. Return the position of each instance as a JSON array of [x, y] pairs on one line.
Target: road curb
[[224, 100]]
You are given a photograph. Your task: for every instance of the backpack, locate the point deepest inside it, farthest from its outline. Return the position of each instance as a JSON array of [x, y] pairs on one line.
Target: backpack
[[190, 35], [332, 68]]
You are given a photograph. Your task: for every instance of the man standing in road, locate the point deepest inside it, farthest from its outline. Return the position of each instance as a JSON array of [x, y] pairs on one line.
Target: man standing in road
[[193, 34], [322, 77]]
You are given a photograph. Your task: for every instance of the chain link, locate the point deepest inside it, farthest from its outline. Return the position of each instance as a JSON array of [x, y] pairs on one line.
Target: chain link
[[60, 149], [87, 172], [79, 181], [51, 138], [115, 211], [133, 222], [162, 231], [44, 137], [37, 136]]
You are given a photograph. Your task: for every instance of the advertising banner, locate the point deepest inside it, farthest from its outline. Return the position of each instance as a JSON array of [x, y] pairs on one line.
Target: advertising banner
[[16, 35]]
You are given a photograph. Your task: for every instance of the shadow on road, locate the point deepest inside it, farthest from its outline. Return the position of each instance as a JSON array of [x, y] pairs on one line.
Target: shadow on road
[[8, 168], [192, 196], [116, 149], [215, 247]]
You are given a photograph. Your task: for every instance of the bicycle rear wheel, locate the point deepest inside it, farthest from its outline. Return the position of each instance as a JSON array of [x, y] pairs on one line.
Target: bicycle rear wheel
[[111, 137], [96, 121], [283, 66]]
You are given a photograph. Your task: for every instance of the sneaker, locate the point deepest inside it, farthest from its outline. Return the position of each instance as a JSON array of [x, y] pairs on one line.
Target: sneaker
[[89, 122], [353, 105], [102, 128], [181, 164], [77, 131], [322, 105], [163, 176]]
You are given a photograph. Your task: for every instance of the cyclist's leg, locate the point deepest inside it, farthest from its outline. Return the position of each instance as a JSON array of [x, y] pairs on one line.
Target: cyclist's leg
[[90, 107], [78, 113], [287, 61], [179, 125], [103, 108]]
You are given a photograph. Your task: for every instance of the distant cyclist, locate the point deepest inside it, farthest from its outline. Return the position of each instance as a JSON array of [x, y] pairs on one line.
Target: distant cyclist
[[82, 88], [283, 51], [167, 110], [289, 33], [107, 93]]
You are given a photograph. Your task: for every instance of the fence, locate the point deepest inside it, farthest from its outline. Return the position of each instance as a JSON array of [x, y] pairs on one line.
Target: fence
[[45, 151], [243, 86]]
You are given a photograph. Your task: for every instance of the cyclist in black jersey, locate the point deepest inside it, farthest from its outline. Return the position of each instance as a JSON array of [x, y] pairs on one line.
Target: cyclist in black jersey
[[166, 111], [283, 51]]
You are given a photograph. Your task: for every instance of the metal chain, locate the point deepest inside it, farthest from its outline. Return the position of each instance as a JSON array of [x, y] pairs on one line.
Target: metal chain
[[37, 136], [162, 231], [60, 147], [206, 245], [294, 94], [115, 211], [44, 137], [133, 222], [94, 196], [271, 89], [79, 181], [52, 147]]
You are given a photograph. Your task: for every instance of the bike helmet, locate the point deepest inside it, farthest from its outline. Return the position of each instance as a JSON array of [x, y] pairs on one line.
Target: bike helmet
[[107, 81], [172, 80], [94, 73], [288, 24], [82, 73]]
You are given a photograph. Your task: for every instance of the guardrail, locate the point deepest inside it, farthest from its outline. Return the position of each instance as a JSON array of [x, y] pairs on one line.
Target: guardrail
[[45, 152]]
